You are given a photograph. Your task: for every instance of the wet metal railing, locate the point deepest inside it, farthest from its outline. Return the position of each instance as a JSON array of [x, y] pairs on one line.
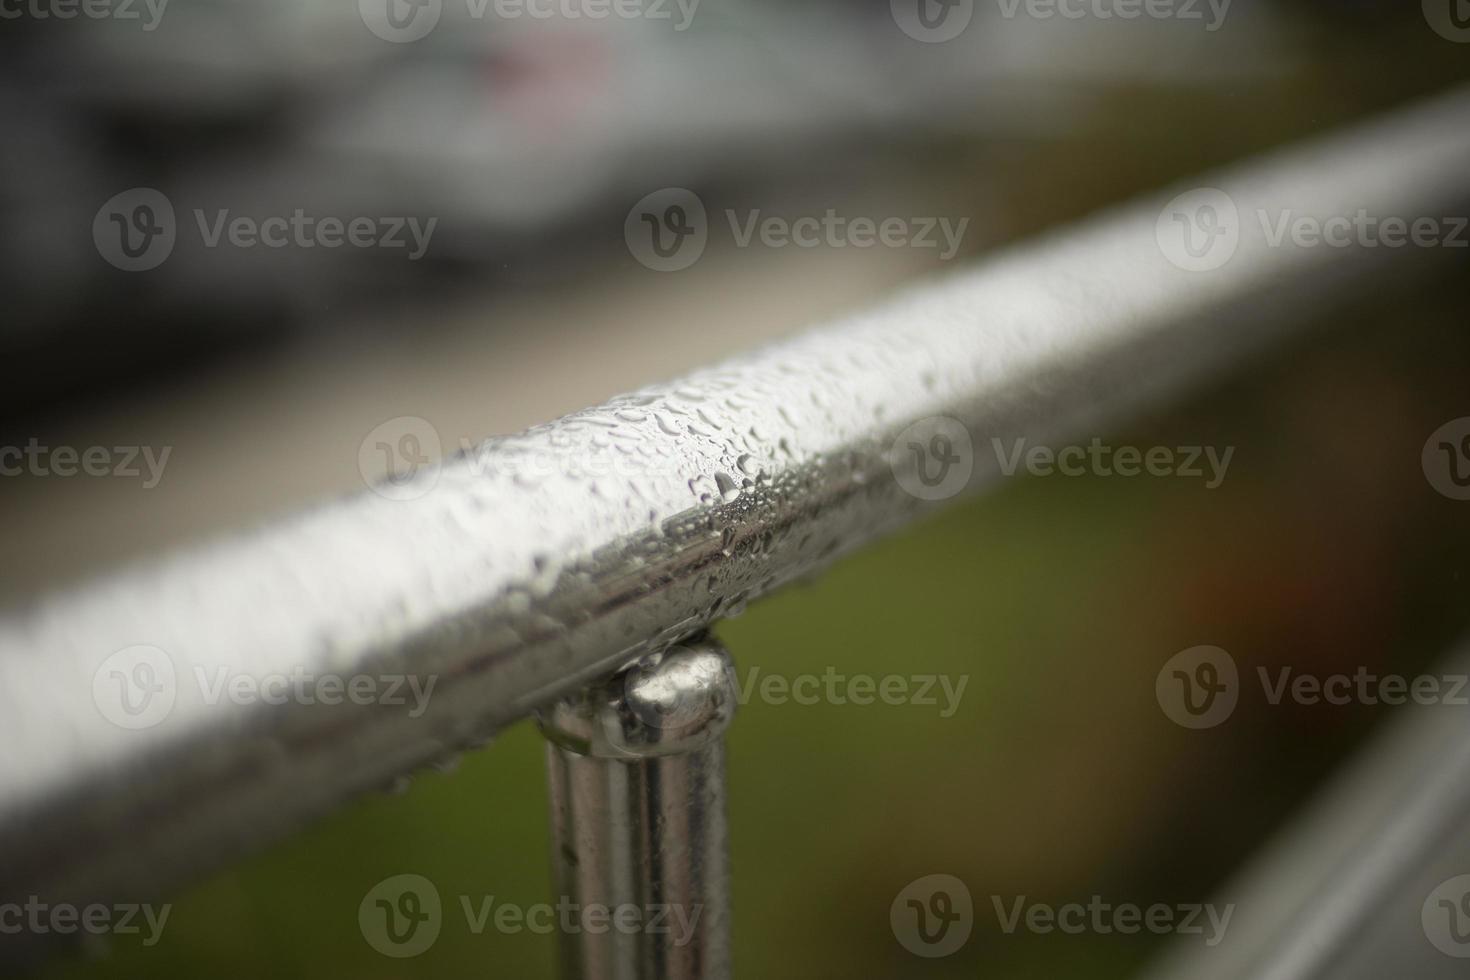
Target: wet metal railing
[[541, 562]]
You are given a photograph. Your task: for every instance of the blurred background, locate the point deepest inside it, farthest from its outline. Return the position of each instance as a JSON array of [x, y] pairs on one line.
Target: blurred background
[[525, 141]]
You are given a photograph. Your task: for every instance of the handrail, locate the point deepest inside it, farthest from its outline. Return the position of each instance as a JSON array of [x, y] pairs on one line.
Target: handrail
[[1330, 896], [545, 559]]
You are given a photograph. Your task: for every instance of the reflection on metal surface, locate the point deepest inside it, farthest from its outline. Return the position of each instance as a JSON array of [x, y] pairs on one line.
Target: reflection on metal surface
[[1370, 881], [636, 766], [545, 559]]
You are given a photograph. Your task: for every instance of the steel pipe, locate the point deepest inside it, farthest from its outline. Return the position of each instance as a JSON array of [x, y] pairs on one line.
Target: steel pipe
[[636, 766], [1372, 880], [516, 573]]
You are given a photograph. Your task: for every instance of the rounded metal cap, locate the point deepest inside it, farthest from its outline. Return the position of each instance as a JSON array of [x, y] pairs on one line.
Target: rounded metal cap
[[665, 704]]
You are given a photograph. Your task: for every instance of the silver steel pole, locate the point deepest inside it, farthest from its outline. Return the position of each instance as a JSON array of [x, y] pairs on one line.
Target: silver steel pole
[[636, 765], [1370, 881], [537, 563]]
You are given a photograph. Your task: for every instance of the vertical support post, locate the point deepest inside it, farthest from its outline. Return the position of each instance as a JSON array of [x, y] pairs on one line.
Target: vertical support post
[[636, 765]]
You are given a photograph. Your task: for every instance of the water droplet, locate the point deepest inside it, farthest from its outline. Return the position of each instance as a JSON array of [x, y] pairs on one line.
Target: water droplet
[[729, 492]]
